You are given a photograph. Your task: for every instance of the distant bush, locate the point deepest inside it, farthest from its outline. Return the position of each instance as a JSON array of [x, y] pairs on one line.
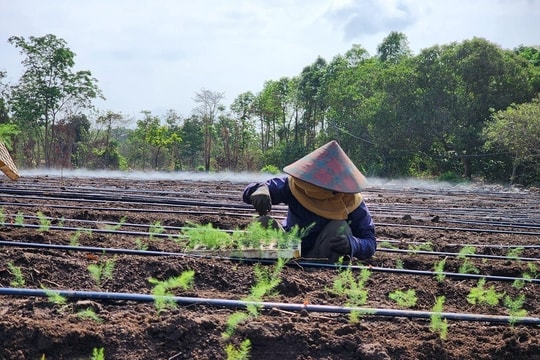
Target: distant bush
[[270, 169]]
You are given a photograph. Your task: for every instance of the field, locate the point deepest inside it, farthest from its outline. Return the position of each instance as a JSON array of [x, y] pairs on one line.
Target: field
[[58, 229]]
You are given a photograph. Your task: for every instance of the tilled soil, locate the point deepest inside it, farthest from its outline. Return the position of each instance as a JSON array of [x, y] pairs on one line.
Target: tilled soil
[[117, 213]]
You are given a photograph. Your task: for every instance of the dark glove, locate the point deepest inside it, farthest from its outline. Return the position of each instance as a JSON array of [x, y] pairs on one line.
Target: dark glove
[[339, 246], [261, 200]]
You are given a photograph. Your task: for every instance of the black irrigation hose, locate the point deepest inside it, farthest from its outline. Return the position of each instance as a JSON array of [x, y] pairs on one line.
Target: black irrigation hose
[[489, 231], [234, 304], [442, 253], [292, 262], [496, 246]]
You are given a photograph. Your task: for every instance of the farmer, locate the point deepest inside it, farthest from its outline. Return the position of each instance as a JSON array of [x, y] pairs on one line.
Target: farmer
[[322, 191]]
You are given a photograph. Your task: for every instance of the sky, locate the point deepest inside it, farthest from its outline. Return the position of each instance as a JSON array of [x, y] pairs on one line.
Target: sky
[[157, 55]]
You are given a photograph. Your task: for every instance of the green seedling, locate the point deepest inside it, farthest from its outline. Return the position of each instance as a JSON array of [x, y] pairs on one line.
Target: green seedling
[[240, 353], [18, 277], [480, 295], [353, 289], [140, 244], [44, 222], [207, 237], [162, 291], [399, 264], [438, 324], [89, 314], [386, 245], [427, 246], [102, 272], [405, 299], [266, 281], [74, 239], [155, 229], [527, 276], [118, 225], [438, 268], [515, 307], [515, 253], [467, 267], [19, 219], [2, 216], [466, 251], [98, 354], [55, 297]]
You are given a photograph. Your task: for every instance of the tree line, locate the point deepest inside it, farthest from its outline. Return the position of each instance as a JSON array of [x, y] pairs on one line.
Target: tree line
[[459, 110]]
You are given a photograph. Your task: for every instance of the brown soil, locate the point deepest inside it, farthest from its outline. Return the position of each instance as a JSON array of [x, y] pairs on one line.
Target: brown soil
[[31, 327]]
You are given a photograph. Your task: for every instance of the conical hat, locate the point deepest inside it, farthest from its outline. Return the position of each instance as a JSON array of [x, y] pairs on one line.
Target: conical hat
[[330, 168], [6, 163]]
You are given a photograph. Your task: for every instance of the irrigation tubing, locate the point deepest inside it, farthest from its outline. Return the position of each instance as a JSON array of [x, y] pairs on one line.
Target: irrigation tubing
[[442, 253], [227, 303], [292, 262], [445, 228]]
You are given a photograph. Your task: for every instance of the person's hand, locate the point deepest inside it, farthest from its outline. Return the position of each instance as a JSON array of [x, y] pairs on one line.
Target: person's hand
[[261, 200], [339, 246]]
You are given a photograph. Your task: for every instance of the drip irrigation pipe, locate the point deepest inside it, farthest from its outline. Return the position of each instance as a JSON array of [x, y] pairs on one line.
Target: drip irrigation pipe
[[489, 231], [299, 263], [227, 303], [440, 253], [496, 246]]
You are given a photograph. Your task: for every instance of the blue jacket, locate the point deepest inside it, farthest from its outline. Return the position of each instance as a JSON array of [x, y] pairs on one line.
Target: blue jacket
[[363, 241]]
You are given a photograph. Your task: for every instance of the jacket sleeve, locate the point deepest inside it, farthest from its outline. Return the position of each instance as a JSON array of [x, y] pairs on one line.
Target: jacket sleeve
[[277, 187], [363, 241]]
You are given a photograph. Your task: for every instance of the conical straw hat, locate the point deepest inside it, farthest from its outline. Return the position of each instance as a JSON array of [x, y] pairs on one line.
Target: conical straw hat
[[330, 168], [6, 163]]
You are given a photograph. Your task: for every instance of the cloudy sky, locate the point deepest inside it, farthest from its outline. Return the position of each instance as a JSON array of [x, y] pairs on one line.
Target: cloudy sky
[[155, 55]]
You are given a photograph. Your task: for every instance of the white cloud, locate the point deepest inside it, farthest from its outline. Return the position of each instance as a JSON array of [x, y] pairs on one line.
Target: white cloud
[[156, 55]]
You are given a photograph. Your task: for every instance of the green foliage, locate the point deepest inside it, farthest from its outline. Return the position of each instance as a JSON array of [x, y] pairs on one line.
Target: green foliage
[[242, 353], [89, 314], [55, 297], [18, 276], [515, 307], [270, 169], [515, 253], [480, 295], [266, 281], [517, 129], [427, 246], [466, 250], [162, 291], [346, 285], [438, 324], [98, 354], [467, 267], [102, 271], [155, 229], [406, 299], [44, 222], [118, 225], [47, 88], [207, 237], [19, 219], [527, 276], [438, 268], [2, 216]]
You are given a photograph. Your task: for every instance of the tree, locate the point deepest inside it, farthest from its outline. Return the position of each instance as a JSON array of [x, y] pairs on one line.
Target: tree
[[394, 48], [517, 130], [208, 109], [47, 89]]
